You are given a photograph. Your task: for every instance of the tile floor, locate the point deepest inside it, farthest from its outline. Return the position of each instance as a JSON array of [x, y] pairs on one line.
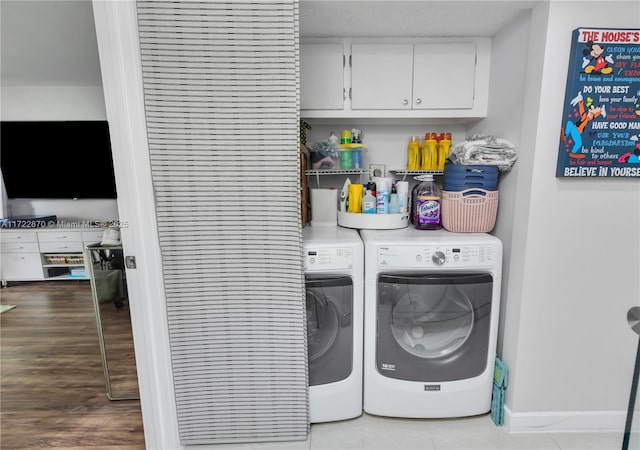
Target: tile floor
[[382, 433]]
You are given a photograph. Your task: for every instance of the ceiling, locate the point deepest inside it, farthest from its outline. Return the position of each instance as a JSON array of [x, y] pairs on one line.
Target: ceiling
[[412, 18], [50, 43], [53, 43]]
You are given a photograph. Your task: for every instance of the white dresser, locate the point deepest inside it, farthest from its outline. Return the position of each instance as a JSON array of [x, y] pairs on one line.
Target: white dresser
[[45, 253]]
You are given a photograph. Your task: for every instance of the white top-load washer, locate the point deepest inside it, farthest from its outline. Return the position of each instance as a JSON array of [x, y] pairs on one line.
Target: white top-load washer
[[432, 302], [334, 278]]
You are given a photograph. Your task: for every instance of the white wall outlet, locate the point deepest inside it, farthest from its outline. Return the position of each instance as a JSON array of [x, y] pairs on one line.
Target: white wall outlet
[[377, 170]]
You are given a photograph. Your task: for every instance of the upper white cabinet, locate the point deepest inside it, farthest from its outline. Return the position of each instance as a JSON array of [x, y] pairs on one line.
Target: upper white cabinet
[[420, 76], [381, 76], [396, 78], [444, 75], [322, 75]]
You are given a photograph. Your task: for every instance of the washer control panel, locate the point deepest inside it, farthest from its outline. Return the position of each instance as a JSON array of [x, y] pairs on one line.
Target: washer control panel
[[328, 258], [422, 256]]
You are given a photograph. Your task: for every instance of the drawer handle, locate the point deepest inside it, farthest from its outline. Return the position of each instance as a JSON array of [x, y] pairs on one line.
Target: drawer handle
[[61, 237]]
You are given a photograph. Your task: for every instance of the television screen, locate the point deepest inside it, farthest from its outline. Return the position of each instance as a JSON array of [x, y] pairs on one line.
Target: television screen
[[57, 160]]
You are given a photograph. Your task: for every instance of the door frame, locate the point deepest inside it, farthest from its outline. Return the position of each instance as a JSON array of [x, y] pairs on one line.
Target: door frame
[[120, 65]]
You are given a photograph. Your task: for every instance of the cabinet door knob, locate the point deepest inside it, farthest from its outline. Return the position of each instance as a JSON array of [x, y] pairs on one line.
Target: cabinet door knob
[[405, 102], [418, 101]]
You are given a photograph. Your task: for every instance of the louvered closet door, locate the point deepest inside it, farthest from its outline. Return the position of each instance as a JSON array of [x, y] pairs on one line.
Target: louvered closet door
[[221, 98]]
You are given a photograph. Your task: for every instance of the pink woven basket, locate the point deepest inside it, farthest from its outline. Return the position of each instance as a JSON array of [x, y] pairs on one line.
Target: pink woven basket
[[470, 211]]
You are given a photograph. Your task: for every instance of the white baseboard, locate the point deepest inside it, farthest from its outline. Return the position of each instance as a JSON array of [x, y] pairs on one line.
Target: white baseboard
[[569, 421]]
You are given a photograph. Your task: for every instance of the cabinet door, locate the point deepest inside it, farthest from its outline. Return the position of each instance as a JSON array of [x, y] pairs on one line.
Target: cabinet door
[[321, 76], [21, 267], [444, 75], [381, 76]]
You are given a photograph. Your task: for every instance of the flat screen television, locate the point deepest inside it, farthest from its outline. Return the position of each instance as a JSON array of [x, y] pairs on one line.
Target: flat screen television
[[57, 160]]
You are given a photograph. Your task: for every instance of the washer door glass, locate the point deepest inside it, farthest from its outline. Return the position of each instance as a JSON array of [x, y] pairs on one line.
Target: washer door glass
[[433, 326], [329, 328], [322, 323], [432, 321]]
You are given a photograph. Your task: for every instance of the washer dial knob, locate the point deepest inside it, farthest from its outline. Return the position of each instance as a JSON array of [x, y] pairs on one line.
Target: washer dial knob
[[438, 258]]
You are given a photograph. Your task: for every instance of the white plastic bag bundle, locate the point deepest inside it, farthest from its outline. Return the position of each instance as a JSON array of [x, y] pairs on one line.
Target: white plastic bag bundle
[[485, 150]]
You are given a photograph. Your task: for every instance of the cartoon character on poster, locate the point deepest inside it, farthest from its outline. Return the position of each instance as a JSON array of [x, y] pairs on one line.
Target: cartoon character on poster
[[577, 122], [594, 62], [632, 157]]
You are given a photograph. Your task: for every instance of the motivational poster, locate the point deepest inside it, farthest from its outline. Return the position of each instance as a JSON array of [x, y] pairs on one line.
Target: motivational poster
[[600, 130]]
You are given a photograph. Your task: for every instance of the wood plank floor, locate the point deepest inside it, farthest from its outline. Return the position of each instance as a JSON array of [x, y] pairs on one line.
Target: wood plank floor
[[52, 385]]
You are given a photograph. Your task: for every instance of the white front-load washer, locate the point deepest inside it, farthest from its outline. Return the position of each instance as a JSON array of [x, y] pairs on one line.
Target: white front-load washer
[[432, 301], [334, 279]]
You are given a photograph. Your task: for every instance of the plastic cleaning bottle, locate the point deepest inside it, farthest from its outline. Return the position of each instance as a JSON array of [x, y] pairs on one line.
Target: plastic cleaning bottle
[[427, 205], [344, 196], [402, 187], [413, 154], [430, 154], [354, 204], [382, 196], [368, 203], [444, 144], [372, 187], [394, 205]]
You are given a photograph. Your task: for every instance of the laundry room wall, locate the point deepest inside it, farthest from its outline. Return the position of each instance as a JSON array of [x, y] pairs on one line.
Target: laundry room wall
[[574, 265], [53, 103], [508, 97]]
